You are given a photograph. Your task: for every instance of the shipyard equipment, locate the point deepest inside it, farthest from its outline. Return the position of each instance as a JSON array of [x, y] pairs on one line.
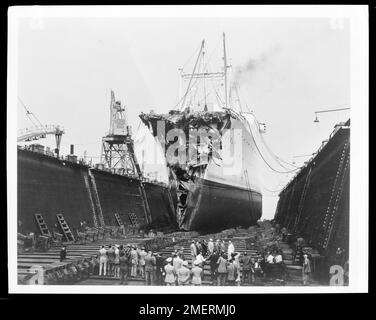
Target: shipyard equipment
[[117, 146]]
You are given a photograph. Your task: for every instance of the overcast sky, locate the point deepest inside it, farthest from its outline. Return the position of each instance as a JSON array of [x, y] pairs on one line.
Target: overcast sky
[[67, 67]]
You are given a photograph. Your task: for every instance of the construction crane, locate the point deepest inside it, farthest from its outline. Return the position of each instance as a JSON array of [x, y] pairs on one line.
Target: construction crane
[[117, 146], [39, 131]]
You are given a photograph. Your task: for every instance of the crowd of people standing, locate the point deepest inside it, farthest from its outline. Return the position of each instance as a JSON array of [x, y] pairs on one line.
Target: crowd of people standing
[[227, 266], [134, 261]]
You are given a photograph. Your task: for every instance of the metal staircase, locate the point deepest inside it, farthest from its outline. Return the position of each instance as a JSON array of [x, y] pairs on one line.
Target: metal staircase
[[133, 218], [118, 220], [43, 228], [145, 203], [65, 228], [96, 199], [93, 210]]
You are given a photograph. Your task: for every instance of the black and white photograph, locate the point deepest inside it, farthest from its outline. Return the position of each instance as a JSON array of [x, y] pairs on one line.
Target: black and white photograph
[[187, 149]]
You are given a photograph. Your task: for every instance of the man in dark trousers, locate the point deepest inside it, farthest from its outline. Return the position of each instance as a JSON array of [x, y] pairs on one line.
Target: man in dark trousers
[[247, 265], [213, 258], [63, 253], [159, 263], [123, 267], [150, 262]]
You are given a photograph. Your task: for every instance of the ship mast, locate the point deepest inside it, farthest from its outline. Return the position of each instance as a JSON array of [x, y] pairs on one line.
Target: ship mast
[[193, 73], [225, 66]]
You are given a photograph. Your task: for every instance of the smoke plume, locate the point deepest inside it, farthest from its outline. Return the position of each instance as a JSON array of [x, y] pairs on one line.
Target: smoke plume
[[254, 64]]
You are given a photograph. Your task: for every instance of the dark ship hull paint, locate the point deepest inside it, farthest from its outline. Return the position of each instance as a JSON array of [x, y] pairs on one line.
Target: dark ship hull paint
[[225, 206], [50, 186], [315, 214]]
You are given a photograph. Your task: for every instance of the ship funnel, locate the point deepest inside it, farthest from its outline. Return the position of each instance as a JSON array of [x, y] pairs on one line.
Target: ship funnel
[[72, 149]]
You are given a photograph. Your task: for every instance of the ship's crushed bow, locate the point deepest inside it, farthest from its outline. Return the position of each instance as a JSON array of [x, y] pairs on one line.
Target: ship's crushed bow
[[202, 139]]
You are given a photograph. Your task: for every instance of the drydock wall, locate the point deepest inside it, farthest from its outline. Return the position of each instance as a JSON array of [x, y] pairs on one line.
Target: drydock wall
[[315, 204], [50, 186]]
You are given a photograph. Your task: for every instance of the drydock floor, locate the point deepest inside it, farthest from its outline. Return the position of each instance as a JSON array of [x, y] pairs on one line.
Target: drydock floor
[[51, 259]]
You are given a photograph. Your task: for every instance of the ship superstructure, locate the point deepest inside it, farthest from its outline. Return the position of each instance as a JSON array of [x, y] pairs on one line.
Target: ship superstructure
[[210, 149]]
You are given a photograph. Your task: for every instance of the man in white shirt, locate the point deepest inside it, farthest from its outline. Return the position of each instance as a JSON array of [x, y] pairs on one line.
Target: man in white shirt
[[270, 258], [193, 251], [278, 258], [200, 259], [177, 263], [230, 250], [102, 261], [141, 262]]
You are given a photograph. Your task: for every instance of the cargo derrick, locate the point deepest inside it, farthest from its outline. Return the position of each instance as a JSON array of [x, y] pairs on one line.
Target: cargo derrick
[[118, 150]]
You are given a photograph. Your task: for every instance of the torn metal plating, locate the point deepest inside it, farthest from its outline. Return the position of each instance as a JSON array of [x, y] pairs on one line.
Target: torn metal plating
[[201, 144]]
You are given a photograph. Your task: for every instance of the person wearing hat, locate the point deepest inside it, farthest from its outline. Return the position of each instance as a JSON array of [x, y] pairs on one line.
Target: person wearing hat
[[193, 251], [200, 259], [230, 249], [63, 253], [247, 268], [222, 270], [181, 253], [134, 261], [116, 262], [102, 261], [177, 262], [159, 264], [198, 247], [110, 260], [223, 246], [204, 246], [123, 267], [217, 246], [170, 273], [184, 274], [213, 258], [232, 272], [196, 274], [150, 262], [141, 262]]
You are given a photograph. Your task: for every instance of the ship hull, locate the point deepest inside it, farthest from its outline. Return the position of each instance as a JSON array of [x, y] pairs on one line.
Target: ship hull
[[214, 206]]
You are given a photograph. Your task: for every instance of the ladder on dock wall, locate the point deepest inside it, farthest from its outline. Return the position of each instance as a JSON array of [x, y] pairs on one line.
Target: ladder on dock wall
[[65, 228], [43, 228], [145, 203], [335, 196], [133, 218], [302, 199], [118, 220], [93, 210], [334, 211], [96, 199]]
